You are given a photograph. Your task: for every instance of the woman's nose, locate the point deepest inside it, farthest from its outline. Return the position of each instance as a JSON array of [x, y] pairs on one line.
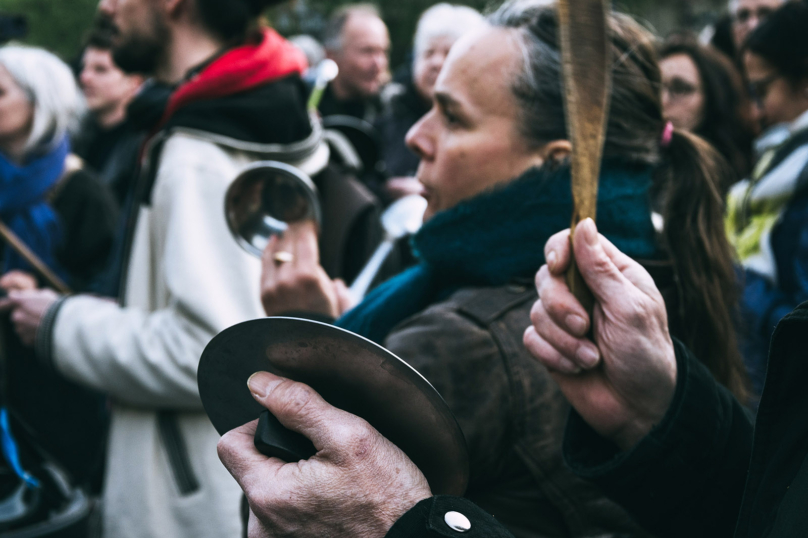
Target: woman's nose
[[419, 139]]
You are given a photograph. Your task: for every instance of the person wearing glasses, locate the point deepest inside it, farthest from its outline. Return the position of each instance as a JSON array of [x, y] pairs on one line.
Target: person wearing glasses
[[702, 92], [768, 214], [748, 15]]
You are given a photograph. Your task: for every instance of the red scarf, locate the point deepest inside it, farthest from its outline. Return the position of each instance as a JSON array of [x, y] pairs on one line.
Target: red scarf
[[238, 70]]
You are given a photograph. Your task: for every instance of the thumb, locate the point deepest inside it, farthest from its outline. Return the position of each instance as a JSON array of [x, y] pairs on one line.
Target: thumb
[[599, 271], [299, 408]]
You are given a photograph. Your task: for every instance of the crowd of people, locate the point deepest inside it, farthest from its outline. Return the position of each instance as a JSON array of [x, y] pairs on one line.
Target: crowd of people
[[673, 408]]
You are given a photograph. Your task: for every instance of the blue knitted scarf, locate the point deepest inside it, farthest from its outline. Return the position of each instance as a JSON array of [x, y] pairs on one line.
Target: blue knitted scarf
[[499, 236], [24, 207]]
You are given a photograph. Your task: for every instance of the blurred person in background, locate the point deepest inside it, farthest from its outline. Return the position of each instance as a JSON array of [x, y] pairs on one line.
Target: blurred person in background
[[108, 142], [237, 98], [357, 39], [702, 93], [768, 214], [748, 15], [438, 29], [495, 167], [68, 219]]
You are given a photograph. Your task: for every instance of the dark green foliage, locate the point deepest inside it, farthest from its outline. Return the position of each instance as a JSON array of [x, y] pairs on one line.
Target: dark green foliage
[[60, 25]]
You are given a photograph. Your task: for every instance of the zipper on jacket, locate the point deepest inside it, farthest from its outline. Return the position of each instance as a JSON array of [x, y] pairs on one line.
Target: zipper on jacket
[[178, 458]]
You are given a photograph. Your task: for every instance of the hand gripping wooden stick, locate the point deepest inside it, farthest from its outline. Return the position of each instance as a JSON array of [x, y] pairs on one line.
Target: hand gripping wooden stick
[[586, 60], [33, 260]]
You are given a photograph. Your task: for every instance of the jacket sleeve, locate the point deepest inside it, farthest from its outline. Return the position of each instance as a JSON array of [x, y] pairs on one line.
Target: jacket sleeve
[[687, 477], [188, 280], [428, 519]]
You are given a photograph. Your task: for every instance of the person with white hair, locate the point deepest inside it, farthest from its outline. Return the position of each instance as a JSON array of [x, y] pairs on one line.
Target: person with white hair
[[438, 29], [68, 219], [43, 184]]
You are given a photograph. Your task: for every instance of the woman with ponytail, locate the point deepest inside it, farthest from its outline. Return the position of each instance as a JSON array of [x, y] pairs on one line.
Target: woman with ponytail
[[494, 164]]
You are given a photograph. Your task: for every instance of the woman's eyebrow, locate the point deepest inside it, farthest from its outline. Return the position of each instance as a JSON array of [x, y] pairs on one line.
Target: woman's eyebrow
[[446, 101]]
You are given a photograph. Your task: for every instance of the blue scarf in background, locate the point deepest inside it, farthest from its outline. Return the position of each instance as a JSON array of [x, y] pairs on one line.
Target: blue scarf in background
[[24, 207], [499, 236]]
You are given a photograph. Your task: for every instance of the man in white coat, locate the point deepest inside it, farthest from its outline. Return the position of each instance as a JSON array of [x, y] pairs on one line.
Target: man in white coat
[[237, 98]]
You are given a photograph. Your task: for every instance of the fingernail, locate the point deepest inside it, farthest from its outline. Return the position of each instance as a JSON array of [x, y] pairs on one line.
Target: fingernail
[[588, 356], [261, 383], [576, 324], [590, 232], [552, 260]]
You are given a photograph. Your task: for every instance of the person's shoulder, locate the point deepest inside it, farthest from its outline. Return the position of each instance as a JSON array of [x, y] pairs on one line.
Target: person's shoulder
[[460, 328]]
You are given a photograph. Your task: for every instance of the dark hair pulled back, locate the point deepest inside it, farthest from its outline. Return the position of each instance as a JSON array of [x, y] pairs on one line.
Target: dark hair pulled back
[[688, 173], [725, 124], [783, 42], [231, 20]]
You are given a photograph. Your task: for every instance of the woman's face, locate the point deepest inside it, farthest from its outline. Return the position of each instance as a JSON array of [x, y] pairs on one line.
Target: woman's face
[[470, 140], [683, 99], [777, 100], [428, 64], [16, 114]]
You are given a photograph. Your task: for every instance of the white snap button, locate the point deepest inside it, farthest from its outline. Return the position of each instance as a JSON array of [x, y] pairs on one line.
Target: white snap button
[[457, 521]]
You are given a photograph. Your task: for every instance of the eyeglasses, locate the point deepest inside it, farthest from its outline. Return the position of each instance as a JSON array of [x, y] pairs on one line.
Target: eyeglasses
[[759, 89], [744, 15]]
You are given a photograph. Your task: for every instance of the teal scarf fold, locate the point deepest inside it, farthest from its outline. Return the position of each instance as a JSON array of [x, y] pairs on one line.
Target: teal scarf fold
[[499, 236]]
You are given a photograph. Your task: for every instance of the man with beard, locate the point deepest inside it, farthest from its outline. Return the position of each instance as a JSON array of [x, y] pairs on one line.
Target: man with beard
[[357, 39], [237, 98]]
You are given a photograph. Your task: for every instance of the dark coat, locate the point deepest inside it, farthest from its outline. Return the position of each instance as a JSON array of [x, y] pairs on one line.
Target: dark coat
[[510, 410], [703, 471]]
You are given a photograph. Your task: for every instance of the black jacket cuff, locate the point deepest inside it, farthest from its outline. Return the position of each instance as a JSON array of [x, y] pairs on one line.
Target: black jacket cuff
[[428, 519], [43, 343], [690, 467]]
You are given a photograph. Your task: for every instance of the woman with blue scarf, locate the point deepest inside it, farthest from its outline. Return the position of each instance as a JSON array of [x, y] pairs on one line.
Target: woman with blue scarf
[[68, 220], [494, 166]]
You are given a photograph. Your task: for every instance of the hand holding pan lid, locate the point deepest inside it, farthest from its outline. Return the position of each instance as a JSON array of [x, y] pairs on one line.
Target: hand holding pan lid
[[349, 372]]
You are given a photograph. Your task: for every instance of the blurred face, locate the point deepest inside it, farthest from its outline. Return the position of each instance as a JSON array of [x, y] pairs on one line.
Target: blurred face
[[748, 15], [141, 34], [470, 140], [16, 113], [428, 64], [362, 61], [105, 86], [777, 100], [683, 99]]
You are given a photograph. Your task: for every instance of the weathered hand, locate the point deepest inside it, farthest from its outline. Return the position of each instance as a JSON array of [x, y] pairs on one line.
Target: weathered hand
[[357, 485], [298, 284], [622, 381], [27, 310], [18, 280]]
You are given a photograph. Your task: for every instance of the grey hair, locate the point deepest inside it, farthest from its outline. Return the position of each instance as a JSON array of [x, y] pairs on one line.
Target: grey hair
[[537, 87], [445, 20], [332, 33], [636, 118], [51, 89]]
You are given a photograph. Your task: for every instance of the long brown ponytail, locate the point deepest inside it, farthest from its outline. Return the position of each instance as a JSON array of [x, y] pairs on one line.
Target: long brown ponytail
[[687, 186], [688, 171]]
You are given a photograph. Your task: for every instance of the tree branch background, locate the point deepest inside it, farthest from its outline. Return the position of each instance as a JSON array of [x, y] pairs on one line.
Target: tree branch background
[[60, 25]]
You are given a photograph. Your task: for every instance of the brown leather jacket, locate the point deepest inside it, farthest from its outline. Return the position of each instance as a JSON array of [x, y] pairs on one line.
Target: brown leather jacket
[[511, 411]]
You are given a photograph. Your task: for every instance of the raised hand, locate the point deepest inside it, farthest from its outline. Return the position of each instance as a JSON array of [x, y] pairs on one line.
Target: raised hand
[[292, 279], [617, 368]]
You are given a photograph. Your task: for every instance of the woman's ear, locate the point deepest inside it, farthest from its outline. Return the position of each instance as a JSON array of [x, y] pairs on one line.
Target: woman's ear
[[556, 151]]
